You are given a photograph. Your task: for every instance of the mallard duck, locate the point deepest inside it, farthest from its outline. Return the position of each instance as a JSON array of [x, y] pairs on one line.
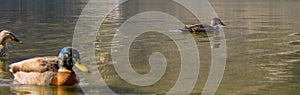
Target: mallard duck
[[214, 25], [49, 70], [5, 37]]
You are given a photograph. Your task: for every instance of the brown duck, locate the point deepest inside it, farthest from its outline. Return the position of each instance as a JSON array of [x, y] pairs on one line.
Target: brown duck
[[49, 70], [5, 37], [214, 26]]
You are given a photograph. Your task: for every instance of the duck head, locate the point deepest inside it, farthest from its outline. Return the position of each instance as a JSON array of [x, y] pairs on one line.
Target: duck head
[[216, 21], [68, 57], [5, 35]]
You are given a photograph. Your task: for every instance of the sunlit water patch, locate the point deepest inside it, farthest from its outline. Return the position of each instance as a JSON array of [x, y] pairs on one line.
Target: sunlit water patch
[[281, 66]]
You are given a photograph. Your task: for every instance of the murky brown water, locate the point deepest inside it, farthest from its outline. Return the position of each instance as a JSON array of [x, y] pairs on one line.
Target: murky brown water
[[262, 46]]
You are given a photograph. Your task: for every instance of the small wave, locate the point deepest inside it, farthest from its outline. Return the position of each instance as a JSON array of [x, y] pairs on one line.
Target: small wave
[[294, 34], [5, 82], [175, 31]]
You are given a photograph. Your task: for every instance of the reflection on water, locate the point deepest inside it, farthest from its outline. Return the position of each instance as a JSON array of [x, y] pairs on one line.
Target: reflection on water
[[262, 44], [5, 77], [42, 10], [144, 45], [4, 74], [45, 90]]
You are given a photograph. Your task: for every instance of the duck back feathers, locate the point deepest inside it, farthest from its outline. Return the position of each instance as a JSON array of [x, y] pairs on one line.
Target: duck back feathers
[[38, 70], [37, 64]]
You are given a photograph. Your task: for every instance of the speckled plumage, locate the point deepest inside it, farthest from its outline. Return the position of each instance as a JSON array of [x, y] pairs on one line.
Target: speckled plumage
[[5, 37]]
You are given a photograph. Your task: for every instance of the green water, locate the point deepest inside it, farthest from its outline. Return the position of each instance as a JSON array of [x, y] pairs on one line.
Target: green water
[[262, 46]]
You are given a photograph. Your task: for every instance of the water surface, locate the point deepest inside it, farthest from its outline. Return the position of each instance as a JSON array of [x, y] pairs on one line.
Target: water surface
[[262, 44]]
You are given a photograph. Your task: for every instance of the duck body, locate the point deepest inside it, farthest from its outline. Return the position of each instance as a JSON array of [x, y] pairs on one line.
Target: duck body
[[198, 28], [49, 70], [213, 27], [42, 71]]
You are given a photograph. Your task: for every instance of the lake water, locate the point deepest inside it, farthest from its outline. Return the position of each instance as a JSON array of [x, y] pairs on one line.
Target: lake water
[[262, 45]]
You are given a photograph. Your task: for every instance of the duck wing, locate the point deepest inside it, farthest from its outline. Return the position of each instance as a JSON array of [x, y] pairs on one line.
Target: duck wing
[[37, 64], [38, 70], [35, 78], [195, 28], [204, 28]]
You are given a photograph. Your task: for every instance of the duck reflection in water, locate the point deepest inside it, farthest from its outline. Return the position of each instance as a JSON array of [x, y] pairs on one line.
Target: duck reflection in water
[[5, 76], [46, 90]]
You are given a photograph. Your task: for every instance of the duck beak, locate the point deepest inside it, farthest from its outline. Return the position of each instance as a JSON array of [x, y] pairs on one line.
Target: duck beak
[[81, 67], [14, 38], [222, 23]]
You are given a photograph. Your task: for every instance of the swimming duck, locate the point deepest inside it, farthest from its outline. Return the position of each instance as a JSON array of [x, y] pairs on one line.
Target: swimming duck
[[214, 25], [49, 70], [5, 37]]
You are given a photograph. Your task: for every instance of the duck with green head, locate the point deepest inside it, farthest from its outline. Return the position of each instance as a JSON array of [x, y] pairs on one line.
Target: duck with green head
[[49, 70], [5, 37]]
